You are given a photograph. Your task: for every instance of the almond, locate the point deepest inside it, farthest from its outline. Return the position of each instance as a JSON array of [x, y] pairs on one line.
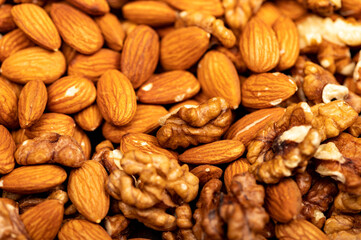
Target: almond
[[267, 90], [33, 179], [182, 48], [92, 7], [237, 167], [82, 230], [84, 141], [8, 106], [37, 25], [40, 65], [7, 150], [140, 55], [52, 122], [116, 98], [212, 7], [288, 39], [151, 13], [16, 88], [69, 52], [87, 191], [6, 20], [76, 28], [93, 66], [246, 128], [89, 118], [217, 152], [12, 42], [206, 172], [43, 221], [177, 106], [146, 119], [112, 31], [169, 87], [268, 13], [32, 103], [19, 136], [259, 46], [293, 9], [299, 230], [70, 94], [215, 71]]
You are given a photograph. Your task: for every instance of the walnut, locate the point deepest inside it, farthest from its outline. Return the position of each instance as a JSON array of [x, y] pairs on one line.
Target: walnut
[[116, 225], [348, 203], [50, 148], [341, 227], [322, 7], [192, 125], [304, 181], [107, 156], [355, 129]]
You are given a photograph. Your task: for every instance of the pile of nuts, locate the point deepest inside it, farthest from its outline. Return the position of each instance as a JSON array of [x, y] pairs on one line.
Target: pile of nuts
[[180, 119]]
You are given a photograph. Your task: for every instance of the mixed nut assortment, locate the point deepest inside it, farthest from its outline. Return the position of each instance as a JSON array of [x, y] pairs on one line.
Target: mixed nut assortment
[[180, 119]]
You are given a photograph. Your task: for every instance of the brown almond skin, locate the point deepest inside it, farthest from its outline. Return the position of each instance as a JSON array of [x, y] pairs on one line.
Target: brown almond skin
[[7, 150], [93, 66], [69, 52], [151, 13], [32, 103], [215, 71], [6, 20], [182, 48], [283, 200], [237, 167], [112, 31], [168, 87], [86, 189], [43, 221], [82, 230], [19, 136], [206, 172], [70, 94], [76, 28], [12, 42], [139, 65], [89, 118], [116, 98], [8, 106], [92, 7], [33, 179], [84, 141], [299, 230], [218, 152], [212, 7], [15, 87], [177, 106], [37, 25], [259, 46], [40, 65]]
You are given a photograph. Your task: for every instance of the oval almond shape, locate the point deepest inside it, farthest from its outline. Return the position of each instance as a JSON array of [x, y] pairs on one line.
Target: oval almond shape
[[86, 189], [12, 42], [92, 7], [6, 20], [259, 46], [93, 66], [8, 106], [32, 103], [84, 141], [182, 48], [207, 172], [169, 87], [89, 231], [52, 122], [298, 230], [267, 90], [7, 150], [212, 7], [43, 221], [34, 63], [116, 98], [33, 179], [246, 128], [236, 167], [138, 65], [37, 25], [152, 13], [112, 31], [219, 78], [89, 118], [218, 152], [76, 28], [70, 94]]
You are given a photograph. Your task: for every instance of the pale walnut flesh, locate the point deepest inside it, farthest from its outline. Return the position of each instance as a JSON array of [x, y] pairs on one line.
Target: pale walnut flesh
[[341, 227]]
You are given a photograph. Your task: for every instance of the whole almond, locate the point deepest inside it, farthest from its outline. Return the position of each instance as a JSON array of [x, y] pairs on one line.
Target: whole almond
[[236, 167], [206, 172], [259, 46], [183, 47], [177, 106], [82, 230], [32, 103], [283, 200], [140, 55], [267, 90], [169, 87], [92, 7], [33, 179], [93, 66], [40, 65], [43, 221], [76, 28], [112, 31], [86, 189], [215, 71], [146, 119], [52, 122], [7, 149], [89, 118], [8, 106], [12, 42], [70, 94], [37, 25], [84, 141], [212, 7], [151, 13], [6, 20], [217, 152], [116, 98], [299, 230], [246, 128]]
